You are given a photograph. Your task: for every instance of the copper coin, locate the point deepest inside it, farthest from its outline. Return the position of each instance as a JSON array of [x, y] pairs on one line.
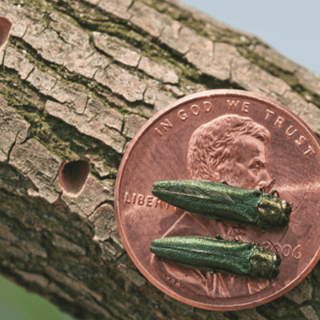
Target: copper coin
[[231, 124]]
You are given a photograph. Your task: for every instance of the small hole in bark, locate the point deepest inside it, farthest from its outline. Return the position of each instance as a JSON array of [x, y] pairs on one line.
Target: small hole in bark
[[73, 175], [5, 26]]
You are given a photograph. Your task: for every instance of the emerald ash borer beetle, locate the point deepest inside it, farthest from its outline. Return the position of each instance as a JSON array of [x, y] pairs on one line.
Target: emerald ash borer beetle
[[218, 255], [220, 201]]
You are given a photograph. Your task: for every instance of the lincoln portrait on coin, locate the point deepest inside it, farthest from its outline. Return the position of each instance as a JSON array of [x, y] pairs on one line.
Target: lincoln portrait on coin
[[229, 149]]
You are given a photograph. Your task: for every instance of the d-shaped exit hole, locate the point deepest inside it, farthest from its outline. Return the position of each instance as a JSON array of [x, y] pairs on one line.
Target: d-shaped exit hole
[[5, 26], [73, 175]]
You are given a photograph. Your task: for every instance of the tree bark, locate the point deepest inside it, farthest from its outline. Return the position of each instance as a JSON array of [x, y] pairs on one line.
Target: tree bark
[[78, 79]]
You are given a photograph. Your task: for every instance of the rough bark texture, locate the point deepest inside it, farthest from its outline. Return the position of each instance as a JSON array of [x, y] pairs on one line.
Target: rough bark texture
[[78, 79]]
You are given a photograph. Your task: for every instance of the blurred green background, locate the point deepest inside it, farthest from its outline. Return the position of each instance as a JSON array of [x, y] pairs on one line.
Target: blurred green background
[[18, 304]]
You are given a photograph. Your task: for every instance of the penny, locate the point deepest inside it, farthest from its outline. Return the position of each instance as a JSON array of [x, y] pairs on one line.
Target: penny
[[246, 140]]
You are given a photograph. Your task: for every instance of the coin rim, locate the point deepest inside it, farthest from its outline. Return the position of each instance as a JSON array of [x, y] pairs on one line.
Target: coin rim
[[159, 114]]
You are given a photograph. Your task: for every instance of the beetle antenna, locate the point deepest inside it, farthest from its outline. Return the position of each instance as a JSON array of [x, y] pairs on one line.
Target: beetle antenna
[[272, 282], [265, 188], [271, 183], [284, 234], [278, 254], [273, 246], [273, 192], [299, 202]]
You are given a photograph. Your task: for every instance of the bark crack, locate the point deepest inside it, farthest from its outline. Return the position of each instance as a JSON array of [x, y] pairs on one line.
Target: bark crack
[[12, 146]]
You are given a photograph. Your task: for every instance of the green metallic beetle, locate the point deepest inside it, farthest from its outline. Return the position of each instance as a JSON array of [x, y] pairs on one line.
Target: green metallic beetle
[[220, 201], [218, 255]]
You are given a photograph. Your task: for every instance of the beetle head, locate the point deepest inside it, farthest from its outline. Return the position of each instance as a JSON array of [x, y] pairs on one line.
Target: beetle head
[[265, 264], [273, 212]]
